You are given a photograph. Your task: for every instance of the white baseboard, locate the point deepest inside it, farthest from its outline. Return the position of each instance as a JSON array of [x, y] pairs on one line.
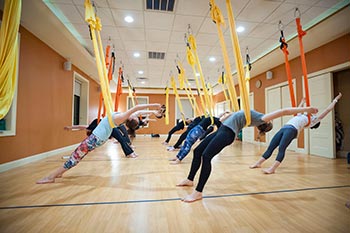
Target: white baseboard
[[33, 158]]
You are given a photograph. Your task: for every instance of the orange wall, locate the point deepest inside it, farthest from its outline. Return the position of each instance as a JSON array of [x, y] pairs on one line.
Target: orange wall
[[44, 103]]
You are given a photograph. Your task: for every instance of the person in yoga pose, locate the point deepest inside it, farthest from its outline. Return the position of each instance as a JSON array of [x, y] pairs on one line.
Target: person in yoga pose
[[200, 131], [284, 137], [179, 126], [100, 135], [224, 136]]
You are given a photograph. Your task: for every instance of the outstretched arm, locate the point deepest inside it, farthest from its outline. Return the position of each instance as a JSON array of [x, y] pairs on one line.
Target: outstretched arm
[[120, 118], [287, 111], [329, 108], [302, 102]]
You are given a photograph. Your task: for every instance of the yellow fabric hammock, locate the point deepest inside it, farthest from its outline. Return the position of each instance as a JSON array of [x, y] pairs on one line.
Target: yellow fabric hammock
[[95, 28], [9, 54]]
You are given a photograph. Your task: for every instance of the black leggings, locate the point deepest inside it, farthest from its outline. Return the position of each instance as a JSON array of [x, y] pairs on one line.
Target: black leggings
[[122, 141], [172, 131], [206, 150]]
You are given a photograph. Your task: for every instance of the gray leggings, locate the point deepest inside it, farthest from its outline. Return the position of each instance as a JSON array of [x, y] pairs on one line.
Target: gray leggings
[[282, 139]]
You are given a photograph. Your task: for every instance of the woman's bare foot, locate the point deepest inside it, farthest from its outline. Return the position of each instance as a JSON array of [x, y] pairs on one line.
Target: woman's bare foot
[[175, 161], [255, 166], [186, 182], [132, 156], [268, 171], [46, 180], [194, 196]]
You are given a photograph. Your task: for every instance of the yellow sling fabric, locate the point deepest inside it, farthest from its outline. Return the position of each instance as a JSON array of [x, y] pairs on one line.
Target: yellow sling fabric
[[239, 64], [219, 20], [95, 25], [173, 85], [167, 105], [186, 86], [9, 53]]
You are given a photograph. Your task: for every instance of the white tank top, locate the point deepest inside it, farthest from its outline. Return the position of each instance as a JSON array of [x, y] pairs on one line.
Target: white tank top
[[300, 121]]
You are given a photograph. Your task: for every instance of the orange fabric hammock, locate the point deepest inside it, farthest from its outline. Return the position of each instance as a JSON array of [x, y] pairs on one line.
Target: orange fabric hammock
[[119, 90], [284, 48], [302, 33]]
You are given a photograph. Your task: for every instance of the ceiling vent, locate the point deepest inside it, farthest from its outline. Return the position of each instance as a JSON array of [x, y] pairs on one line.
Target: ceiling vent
[[156, 55], [160, 5]]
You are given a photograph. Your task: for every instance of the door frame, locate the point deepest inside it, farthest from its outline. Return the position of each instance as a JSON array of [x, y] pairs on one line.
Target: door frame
[[332, 69]]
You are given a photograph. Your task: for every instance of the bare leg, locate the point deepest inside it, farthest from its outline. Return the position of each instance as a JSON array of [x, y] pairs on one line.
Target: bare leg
[[258, 163], [51, 178], [272, 169], [194, 196], [186, 182]]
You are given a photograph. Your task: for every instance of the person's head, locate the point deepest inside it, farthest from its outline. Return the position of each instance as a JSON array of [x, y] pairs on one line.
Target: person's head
[[264, 128], [315, 126], [314, 122], [88, 132], [132, 122]]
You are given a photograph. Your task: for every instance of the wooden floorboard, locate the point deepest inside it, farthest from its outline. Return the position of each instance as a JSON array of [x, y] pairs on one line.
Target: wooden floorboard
[[107, 192]]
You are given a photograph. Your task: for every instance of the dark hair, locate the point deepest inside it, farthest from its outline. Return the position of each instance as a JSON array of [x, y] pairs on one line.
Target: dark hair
[[316, 125], [132, 123], [264, 128]]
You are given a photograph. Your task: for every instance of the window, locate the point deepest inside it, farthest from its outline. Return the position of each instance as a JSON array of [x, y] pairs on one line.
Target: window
[[80, 103], [187, 108]]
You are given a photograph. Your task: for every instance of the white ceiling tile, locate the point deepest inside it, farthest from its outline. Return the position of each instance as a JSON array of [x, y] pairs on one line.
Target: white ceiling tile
[[119, 16], [264, 30], [157, 35], [110, 32], [176, 47], [258, 10], [285, 13], [181, 23], [157, 46], [132, 34], [178, 37], [206, 39], [135, 45], [208, 26], [158, 20], [303, 2], [311, 14], [327, 3], [192, 7], [126, 4]]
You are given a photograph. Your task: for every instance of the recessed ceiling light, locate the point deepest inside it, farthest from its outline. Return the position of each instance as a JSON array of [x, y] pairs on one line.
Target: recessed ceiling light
[[137, 54], [212, 59], [129, 19], [240, 29], [140, 72], [197, 74]]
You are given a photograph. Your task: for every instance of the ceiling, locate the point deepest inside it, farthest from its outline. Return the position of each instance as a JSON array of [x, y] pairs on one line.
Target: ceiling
[[163, 31]]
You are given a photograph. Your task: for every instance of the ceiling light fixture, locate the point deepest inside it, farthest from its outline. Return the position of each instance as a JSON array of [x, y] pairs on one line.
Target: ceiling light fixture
[[240, 29], [137, 54], [129, 19], [140, 72], [212, 59]]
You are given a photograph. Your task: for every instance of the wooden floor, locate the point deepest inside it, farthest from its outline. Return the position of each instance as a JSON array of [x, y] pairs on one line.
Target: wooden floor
[[107, 192]]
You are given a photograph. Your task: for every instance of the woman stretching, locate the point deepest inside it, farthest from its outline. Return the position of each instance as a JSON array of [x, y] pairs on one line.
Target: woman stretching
[[224, 136], [204, 128], [179, 126], [98, 137], [288, 133]]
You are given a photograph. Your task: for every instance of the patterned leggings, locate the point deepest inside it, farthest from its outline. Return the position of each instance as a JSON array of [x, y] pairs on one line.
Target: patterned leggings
[[191, 139], [89, 144]]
